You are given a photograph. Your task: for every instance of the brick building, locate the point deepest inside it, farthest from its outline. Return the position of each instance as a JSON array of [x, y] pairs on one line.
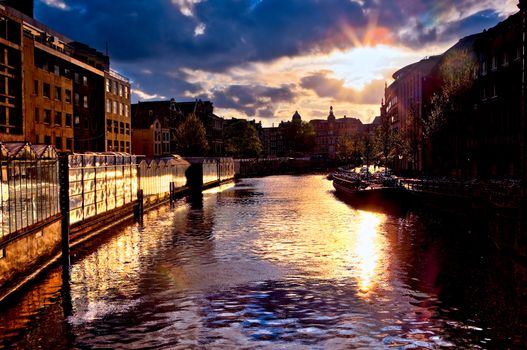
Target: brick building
[[52, 90]]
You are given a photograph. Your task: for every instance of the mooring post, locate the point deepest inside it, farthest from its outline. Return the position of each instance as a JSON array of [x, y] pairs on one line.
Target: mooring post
[[64, 189], [171, 193], [139, 208]]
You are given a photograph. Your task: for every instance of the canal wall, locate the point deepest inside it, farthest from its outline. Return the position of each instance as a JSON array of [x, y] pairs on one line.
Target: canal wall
[[99, 191], [273, 166]]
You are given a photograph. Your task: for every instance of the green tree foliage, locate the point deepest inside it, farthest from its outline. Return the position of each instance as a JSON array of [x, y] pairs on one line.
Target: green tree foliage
[[241, 140], [191, 138], [456, 77], [299, 137]]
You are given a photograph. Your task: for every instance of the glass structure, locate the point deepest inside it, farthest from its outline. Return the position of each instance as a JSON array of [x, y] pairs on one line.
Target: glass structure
[[29, 186]]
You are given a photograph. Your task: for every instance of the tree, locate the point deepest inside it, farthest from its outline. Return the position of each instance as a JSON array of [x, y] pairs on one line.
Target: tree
[[346, 149], [455, 77], [191, 137], [299, 137], [241, 140], [384, 141]]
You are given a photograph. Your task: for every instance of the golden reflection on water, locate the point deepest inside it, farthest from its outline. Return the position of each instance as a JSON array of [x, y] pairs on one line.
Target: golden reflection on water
[[327, 240], [369, 250]]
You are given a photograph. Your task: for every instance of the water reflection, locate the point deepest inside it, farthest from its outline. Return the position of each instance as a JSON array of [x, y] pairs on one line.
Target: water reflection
[[369, 251], [274, 263]]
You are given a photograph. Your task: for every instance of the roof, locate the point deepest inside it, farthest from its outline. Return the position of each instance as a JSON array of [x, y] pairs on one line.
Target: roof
[[26, 151]]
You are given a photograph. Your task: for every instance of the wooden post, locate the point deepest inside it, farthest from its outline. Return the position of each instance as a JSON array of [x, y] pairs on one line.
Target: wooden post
[[65, 207], [139, 208]]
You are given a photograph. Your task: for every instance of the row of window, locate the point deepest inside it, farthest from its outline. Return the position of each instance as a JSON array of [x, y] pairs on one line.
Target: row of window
[[117, 88], [118, 146], [58, 119], [117, 108], [64, 72], [58, 142], [46, 92], [117, 128], [495, 61]]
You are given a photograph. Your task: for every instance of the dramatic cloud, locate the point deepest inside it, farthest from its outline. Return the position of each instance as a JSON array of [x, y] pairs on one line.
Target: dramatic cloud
[[245, 54], [325, 86]]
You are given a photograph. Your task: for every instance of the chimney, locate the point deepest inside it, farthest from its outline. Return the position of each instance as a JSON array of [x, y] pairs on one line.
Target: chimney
[[24, 6]]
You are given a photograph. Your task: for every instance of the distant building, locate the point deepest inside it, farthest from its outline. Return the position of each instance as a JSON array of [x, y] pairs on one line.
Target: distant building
[[170, 114], [272, 142], [54, 87], [213, 124], [331, 130]]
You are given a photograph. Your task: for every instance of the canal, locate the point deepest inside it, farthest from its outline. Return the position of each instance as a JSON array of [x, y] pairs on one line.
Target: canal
[[277, 262]]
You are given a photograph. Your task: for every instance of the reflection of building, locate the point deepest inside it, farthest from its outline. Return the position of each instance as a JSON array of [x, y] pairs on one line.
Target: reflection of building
[[328, 133], [53, 87]]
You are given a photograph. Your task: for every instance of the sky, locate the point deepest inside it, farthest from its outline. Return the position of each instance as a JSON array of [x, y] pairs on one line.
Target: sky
[[265, 59]]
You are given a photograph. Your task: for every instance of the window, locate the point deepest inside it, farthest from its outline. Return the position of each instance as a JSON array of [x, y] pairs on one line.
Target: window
[[35, 87], [67, 74], [109, 124], [494, 63], [58, 142], [127, 128], [69, 118], [84, 80], [150, 113], [483, 93], [47, 116], [108, 106], [85, 101], [114, 87], [109, 145], [114, 109], [108, 85], [122, 128], [121, 90], [67, 96], [122, 146], [126, 92], [37, 115], [76, 78], [484, 68], [77, 120], [127, 147], [58, 93], [56, 70], [116, 146], [46, 90], [47, 140], [126, 111], [494, 91], [115, 127], [121, 109], [58, 118], [69, 144], [77, 99], [505, 59]]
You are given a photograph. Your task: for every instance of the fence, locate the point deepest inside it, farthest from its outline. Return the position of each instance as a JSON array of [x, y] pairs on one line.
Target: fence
[[100, 182], [28, 186], [155, 176]]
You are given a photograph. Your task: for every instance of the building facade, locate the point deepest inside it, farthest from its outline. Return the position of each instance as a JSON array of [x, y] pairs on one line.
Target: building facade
[[52, 88], [331, 130]]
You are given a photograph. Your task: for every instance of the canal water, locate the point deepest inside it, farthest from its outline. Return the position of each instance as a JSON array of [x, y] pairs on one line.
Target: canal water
[[278, 263]]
